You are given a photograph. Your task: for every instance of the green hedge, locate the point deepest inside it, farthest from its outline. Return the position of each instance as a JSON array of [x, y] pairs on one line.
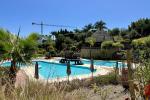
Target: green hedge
[[142, 42]]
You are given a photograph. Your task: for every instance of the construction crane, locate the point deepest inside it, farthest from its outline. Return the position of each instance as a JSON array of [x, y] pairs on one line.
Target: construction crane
[[42, 24]]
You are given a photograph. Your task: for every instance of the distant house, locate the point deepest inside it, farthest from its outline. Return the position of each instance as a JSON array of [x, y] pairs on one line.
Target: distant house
[[43, 38], [101, 36]]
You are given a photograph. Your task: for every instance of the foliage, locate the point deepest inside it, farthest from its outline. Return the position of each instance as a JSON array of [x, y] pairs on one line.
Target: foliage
[[27, 48], [114, 31], [118, 45], [53, 53], [48, 45], [6, 40], [91, 41], [143, 72], [65, 39], [107, 45], [78, 38], [106, 79], [111, 45], [143, 69], [19, 49], [88, 27], [142, 26], [142, 42], [73, 48], [100, 25], [124, 33], [34, 36], [133, 34]]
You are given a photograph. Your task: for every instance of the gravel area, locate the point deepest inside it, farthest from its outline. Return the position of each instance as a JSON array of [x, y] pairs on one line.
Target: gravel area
[[109, 92]]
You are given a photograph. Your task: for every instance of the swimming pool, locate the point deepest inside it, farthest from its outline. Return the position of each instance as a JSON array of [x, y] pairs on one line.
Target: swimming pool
[[49, 70], [54, 70], [8, 64], [102, 63]]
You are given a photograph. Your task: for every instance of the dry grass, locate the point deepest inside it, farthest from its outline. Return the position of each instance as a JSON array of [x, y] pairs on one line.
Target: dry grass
[[75, 90], [40, 91]]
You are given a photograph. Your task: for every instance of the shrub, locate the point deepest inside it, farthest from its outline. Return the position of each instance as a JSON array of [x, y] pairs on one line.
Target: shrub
[[62, 54], [107, 45], [52, 53], [142, 70], [106, 79], [118, 45], [111, 45], [3, 71], [142, 42], [138, 43], [147, 41]]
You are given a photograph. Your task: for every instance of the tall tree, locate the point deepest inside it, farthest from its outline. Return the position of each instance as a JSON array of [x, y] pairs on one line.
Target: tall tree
[[101, 25], [133, 34], [114, 32], [88, 27], [142, 26], [124, 33], [5, 43], [34, 36]]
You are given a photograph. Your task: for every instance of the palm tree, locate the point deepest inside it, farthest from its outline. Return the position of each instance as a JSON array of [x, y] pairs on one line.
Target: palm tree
[[100, 25], [91, 41], [114, 32], [5, 45], [21, 52], [88, 27]]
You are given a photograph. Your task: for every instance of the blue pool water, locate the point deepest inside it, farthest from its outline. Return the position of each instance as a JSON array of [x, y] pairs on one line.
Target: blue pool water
[[8, 64], [102, 63], [5, 64], [53, 70]]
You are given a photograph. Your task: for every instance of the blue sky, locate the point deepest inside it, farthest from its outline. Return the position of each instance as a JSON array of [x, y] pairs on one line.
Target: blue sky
[[116, 13]]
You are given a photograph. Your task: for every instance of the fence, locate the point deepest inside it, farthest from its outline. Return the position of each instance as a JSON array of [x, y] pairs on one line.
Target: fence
[[98, 53]]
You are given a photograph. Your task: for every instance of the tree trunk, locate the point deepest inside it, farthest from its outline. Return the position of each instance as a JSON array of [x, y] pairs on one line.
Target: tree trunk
[[130, 75], [90, 52], [12, 74], [68, 78], [116, 71], [36, 74], [92, 77]]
